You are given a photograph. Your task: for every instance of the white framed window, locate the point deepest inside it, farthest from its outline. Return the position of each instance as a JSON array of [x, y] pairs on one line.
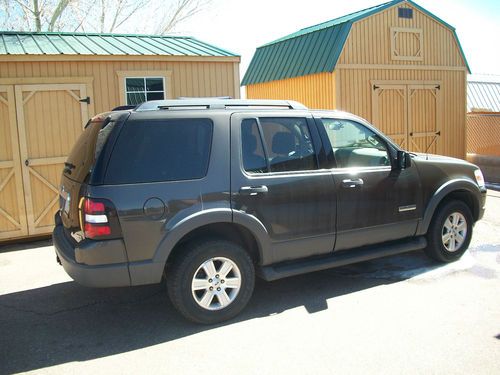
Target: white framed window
[[141, 89], [137, 86]]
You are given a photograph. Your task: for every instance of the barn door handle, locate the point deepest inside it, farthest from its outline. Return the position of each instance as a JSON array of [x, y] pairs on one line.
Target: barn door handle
[[85, 100], [27, 162]]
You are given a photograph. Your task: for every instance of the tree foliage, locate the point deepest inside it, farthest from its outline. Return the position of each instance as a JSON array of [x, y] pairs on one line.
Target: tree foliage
[[104, 16]]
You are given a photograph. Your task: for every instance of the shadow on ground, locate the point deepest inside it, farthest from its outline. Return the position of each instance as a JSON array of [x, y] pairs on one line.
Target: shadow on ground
[[30, 243], [67, 322]]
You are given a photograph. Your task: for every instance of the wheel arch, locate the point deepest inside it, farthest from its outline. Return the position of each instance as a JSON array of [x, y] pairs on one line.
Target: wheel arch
[[241, 228], [464, 190]]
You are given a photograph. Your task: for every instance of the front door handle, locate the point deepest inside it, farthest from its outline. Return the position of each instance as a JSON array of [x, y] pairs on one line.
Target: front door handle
[[352, 183], [253, 190]]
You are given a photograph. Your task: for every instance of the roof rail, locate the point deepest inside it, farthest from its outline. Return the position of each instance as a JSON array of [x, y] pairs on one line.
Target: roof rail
[[210, 103]]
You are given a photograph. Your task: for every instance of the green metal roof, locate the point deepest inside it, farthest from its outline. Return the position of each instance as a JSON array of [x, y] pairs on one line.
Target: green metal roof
[[314, 49], [62, 43]]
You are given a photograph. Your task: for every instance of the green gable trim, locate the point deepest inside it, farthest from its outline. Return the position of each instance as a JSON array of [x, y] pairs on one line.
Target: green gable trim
[[315, 49], [64, 43]]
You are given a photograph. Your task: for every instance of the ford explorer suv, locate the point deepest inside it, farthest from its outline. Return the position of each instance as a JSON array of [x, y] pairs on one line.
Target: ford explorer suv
[[207, 194]]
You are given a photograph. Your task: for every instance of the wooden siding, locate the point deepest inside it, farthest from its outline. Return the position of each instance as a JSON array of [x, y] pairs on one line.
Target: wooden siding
[[187, 78], [369, 41], [355, 87], [314, 91], [12, 210], [483, 134]]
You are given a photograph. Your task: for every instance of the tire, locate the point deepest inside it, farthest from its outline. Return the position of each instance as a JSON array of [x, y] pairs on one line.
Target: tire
[[207, 263], [451, 222]]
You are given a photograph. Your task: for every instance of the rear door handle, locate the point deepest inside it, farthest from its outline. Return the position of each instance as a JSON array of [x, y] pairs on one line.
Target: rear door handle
[[253, 190], [352, 183]]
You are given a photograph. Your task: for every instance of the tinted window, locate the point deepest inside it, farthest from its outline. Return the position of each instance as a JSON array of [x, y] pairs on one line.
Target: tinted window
[[288, 144], [87, 149], [354, 145], [167, 150], [254, 160]]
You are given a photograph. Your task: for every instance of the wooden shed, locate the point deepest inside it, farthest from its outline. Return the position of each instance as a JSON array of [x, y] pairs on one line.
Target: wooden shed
[[395, 64], [51, 83]]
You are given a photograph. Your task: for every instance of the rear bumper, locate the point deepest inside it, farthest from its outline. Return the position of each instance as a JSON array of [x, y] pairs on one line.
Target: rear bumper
[[107, 275]]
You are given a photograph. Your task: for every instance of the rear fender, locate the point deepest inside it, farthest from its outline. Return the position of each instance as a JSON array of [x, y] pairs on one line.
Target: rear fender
[[213, 216]]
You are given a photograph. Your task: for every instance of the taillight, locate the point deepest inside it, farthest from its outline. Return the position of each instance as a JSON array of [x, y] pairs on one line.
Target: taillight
[[99, 219]]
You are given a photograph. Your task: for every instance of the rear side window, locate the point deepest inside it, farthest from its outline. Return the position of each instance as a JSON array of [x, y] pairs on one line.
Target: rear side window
[[254, 159], [87, 148], [281, 145], [165, 150]]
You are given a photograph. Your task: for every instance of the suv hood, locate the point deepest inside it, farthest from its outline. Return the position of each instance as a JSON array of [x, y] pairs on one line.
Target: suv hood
[[438, 158]]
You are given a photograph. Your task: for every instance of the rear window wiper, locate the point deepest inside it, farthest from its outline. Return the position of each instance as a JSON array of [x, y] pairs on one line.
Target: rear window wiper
[[68, 167]]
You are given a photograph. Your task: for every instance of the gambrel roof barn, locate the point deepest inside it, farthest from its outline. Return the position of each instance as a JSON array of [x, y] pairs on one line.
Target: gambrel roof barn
[[395, 64]]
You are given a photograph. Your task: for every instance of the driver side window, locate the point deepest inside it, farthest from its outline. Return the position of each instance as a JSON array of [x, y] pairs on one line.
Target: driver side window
[[355, 145]]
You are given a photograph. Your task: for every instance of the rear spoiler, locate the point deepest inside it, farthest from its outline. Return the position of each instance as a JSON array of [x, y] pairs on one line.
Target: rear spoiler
[[123, 108]]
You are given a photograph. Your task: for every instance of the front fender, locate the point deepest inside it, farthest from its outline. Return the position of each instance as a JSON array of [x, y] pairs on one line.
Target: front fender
[[462, 184]]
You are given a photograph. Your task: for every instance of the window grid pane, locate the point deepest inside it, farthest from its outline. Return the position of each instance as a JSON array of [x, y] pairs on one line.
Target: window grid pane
[[140, 89]]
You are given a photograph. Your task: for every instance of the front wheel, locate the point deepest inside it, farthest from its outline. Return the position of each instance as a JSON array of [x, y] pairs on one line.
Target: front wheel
[[211, 281], [450, 232]]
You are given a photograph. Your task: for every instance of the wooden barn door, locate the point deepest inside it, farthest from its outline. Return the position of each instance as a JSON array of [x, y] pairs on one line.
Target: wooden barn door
[[12, 210], [423, 117], [409, 114], [50, 118], [390, 108]]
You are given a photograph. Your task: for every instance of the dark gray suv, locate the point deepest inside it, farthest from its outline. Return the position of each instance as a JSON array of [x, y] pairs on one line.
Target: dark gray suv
[[207, 193]]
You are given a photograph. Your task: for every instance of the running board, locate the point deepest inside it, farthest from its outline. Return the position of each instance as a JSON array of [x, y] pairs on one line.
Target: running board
[[297, 267]]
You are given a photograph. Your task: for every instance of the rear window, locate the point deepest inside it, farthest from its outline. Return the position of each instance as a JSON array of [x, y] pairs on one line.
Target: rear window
[[166, 150], [87, 148]]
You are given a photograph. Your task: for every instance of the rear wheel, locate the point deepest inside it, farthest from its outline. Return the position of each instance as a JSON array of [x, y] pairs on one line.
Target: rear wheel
[[211, 281], [450, 232]]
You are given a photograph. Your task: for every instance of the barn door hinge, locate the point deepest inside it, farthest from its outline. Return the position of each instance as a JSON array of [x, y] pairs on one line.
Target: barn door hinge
[[375, 87], [85, 100], [438, 87]]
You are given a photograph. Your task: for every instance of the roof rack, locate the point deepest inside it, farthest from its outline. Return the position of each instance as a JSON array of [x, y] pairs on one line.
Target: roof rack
[[210, 103]]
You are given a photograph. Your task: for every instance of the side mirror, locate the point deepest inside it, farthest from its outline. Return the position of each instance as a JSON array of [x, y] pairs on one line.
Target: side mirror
[[403, 160]]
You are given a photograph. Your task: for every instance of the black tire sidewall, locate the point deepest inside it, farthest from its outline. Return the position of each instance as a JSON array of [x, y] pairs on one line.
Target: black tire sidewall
[[184, 272], [435, 248]]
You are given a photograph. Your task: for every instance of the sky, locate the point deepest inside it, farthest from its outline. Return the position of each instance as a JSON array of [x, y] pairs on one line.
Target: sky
[[240, 26]]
